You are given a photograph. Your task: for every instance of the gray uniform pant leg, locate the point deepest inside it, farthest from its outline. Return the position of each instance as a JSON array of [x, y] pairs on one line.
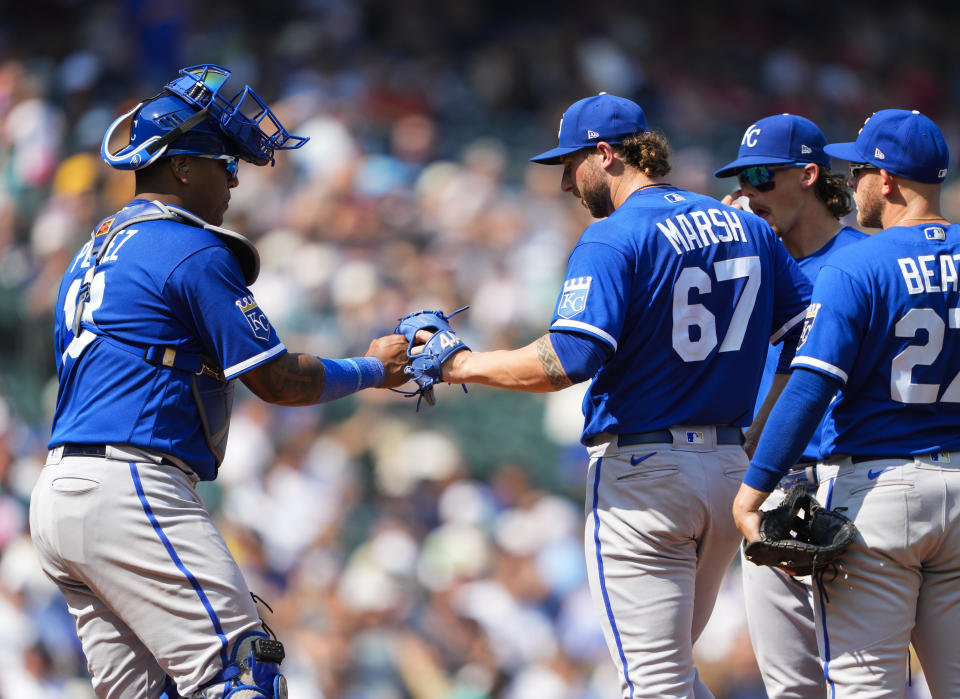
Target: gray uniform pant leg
[[659, 538], [899, 581], [779, 611], [149, 580]]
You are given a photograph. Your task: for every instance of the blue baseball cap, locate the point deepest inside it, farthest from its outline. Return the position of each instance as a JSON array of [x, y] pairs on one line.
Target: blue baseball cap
[[900, 141], [602, 117], [782, 138]]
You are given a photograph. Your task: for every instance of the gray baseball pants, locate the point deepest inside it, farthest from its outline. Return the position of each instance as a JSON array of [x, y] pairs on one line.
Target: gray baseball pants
[[149, 580], [659, 538], [898, 582], [779, 609]]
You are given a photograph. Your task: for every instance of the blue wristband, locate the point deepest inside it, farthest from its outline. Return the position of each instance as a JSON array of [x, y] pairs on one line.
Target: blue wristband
[[345, 376]]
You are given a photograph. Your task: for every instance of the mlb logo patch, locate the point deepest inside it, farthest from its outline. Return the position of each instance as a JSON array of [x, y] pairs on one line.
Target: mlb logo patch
[[694, 437], [941, 457], [574, 297], [673, 197], [935, 233], [256, 318]]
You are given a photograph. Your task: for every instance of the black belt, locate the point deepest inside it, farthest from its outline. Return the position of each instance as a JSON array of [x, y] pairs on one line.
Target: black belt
[[726, 434], [96, 450], [860, 458]]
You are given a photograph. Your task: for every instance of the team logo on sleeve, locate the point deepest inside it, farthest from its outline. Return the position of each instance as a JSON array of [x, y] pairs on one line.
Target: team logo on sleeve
[[808, 323], [574, 297], [256, 318]]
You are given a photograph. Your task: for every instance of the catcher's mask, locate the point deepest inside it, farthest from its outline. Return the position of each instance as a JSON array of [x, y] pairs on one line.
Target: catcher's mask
[[191, 117]]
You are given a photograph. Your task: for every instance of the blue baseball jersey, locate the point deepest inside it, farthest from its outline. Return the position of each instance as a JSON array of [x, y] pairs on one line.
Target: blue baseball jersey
[[885, 321], [811, 265], [687, 292], [160, 283]]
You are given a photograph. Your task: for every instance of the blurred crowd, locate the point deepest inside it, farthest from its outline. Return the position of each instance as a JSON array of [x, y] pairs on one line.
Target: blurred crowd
[[405, 554]]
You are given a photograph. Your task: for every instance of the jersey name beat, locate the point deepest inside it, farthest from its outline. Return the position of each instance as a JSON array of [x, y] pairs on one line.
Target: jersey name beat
[[920, 273], [698, 229]]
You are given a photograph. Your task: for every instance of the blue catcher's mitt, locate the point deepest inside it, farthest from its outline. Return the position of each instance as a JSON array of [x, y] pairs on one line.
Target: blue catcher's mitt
[[426, 368]]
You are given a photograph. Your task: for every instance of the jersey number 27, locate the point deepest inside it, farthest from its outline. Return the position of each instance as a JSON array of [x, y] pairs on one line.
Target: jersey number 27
[[902, 387]]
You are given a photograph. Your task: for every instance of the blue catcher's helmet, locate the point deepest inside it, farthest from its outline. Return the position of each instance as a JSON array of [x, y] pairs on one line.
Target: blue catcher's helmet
[[190, 116]]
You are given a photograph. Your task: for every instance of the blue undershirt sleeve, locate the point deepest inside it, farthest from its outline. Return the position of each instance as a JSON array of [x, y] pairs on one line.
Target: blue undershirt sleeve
[[788, 349], [341, 377], [581, 355], [790, 426]]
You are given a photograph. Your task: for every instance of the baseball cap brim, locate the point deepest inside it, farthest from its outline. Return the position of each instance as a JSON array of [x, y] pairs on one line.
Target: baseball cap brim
[[730, 169], [845, 151], [552, 156]]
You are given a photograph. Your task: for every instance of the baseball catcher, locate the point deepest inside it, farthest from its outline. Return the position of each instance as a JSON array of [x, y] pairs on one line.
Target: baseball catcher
[[800, 536], [426, 363], [156, 323]]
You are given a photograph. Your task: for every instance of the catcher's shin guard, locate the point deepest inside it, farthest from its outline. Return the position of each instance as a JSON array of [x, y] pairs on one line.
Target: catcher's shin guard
[[254, 669]]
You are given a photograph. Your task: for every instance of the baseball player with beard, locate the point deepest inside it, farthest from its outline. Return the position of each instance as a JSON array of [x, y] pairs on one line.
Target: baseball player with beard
[[669, 302], [156, 321], [784, 173], [882, 336]]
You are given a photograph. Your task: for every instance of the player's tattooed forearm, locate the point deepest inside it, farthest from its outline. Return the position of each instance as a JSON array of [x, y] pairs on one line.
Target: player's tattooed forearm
[[295, 379], [550, 363]]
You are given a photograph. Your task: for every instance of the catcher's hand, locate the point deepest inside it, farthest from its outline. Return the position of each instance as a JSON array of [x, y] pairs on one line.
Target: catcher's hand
[[426, 365], [800, 536]]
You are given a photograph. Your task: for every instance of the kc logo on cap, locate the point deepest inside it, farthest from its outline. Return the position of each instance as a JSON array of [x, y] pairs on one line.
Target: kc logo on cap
[[782, 138]]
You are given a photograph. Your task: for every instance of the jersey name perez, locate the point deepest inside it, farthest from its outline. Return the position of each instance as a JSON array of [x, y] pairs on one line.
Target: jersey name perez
[[698, 229]]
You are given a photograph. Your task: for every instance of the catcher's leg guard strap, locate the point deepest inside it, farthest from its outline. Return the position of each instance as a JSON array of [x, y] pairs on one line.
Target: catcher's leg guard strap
[[254, 669]]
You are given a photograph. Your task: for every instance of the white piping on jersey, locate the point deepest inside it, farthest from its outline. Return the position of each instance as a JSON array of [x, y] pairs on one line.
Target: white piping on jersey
[[818, 364], [232, 371], [593, 329], [785, 328]]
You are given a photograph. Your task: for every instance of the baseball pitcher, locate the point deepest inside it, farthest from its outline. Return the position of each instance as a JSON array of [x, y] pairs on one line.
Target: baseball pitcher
[[668, 305]]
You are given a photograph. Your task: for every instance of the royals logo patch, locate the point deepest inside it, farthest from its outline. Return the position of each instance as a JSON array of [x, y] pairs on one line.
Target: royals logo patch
[[808, 323], [256, 318], [574, 297]]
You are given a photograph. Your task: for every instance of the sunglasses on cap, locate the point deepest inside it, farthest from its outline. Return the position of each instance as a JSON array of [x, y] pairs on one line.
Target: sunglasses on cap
[[760, 177], [230, 162], [857, 168]]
